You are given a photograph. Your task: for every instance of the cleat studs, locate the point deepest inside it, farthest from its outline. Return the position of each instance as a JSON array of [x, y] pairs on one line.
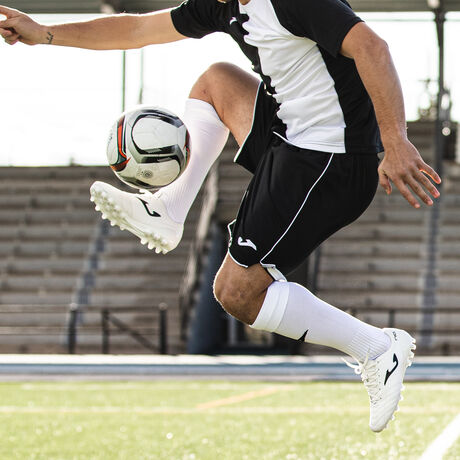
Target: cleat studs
[[97, 208], [112, 223], [92, 198], [157, 250], [150, 245], [104, 216]]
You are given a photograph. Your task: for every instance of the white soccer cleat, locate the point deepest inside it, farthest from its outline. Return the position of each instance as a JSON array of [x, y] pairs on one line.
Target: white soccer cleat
[[383, 377], [142, 214]]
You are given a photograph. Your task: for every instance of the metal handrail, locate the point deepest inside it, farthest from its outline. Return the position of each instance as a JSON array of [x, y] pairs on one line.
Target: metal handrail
[[109, 319]]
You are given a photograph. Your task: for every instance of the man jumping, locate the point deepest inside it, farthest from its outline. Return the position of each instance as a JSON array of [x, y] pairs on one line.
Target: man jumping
[[328, 102]]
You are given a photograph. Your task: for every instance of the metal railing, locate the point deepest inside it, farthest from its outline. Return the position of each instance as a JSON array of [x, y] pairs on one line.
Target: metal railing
[[153, 335], [110, 324]]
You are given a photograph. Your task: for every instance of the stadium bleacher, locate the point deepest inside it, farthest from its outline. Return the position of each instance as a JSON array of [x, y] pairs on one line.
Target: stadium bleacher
[[57, 254]]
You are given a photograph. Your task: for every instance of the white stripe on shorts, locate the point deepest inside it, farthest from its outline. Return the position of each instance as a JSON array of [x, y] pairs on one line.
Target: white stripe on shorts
[[300, 209]]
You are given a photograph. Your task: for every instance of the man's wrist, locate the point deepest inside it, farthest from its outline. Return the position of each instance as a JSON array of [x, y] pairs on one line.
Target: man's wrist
[[394, 136], [48, 36]]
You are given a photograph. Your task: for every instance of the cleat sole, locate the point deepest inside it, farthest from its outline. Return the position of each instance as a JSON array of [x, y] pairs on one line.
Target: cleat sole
[[113, 212]]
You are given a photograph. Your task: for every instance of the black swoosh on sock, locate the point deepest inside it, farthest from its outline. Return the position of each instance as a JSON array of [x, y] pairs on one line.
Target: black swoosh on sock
[[302, 339]]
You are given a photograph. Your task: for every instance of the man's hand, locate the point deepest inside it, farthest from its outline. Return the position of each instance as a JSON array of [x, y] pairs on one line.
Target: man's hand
[[18, 27], [404, 166]]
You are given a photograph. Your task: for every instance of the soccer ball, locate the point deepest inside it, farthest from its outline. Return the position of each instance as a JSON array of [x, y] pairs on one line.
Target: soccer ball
[[148, 147]]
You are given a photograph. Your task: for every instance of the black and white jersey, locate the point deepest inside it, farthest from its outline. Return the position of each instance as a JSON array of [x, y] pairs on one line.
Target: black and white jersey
[[294, 45]]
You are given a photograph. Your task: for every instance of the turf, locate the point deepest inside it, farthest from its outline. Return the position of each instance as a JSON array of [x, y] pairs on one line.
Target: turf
[[216, 421]]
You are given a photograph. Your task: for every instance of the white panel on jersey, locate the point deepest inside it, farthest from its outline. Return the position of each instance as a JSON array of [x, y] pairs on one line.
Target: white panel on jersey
[[309, 104]]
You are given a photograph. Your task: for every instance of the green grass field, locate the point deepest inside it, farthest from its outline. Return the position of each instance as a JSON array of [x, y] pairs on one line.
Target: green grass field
[[216, 421]]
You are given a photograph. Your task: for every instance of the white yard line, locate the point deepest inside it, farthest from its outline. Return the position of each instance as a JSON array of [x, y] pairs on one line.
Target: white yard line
[[443, 442]]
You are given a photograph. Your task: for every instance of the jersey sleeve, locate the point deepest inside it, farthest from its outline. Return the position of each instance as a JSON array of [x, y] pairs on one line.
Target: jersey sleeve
[[197, 18], [326, 22]]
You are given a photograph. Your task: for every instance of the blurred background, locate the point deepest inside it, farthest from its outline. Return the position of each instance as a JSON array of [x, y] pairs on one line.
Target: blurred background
[[69, 283]]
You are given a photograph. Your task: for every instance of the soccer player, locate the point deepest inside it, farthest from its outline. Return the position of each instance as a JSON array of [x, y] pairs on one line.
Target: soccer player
[[328, 101]]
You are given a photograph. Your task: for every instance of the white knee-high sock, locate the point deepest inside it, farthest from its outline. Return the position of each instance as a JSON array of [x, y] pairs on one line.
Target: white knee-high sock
[[293, 311], [208, 136]]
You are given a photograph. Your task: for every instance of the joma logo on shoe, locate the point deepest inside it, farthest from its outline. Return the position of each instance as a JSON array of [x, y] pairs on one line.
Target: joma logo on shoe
[[149, 212], [387, 375]]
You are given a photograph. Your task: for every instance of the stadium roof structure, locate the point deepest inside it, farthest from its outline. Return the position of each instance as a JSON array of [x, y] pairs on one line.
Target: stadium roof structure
[[140, 6]]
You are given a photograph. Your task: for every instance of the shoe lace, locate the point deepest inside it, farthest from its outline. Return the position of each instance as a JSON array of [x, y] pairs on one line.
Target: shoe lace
[[368, 370]]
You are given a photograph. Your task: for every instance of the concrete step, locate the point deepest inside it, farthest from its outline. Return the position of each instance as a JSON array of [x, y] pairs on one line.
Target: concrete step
[[45, 201], [446, 321], [36, 298], [357, 299], [47, 232], [132, 247], [381, 231], [400, 216], [375, 248], [42, 265], [70, 173], [12, 216], [35, 283], [364, 265], [137, 281], [372, 282], [128, 298], [385, 282], [410, 249], [22, 248]]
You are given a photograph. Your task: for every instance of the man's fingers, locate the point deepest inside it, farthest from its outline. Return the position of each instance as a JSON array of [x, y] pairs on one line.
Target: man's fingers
[[11, 40], [429, 171], [384, 182], [7, 24], [8, 12], [405, 192], [418, 189], [428, 184]]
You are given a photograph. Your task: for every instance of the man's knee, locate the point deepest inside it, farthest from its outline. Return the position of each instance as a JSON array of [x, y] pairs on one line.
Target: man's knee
[[234, 299], [211, 82], [241, 291]]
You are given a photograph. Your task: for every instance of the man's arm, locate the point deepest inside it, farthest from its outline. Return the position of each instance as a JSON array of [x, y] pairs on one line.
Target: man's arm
[[402, 163], [123, 31]]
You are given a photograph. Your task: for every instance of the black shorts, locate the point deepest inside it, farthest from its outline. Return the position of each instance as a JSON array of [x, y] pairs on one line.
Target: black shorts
[[296, 199]]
